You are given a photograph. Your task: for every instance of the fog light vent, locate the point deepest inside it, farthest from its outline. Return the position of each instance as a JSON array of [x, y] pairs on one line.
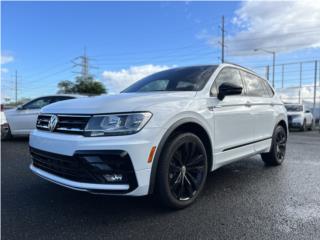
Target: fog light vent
[[113, 177]]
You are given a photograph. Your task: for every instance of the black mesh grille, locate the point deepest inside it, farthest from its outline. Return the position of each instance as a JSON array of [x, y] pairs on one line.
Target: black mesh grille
[[62, 166], [87, 166], [74, 124]]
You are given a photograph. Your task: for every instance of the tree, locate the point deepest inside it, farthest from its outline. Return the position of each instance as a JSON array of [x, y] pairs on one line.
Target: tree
[[66, 86], [86, 86]]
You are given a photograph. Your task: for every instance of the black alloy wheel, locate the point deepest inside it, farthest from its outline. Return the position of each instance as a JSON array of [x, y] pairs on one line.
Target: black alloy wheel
[[281, 140], [187, 170], [277, 152], [182, 171]]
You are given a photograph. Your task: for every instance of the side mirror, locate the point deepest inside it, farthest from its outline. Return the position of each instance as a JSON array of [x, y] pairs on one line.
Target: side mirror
[[307, 111], [20, 107], [227, 89]]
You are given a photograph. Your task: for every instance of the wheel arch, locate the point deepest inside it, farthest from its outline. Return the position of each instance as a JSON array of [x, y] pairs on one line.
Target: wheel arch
[[284, 125], [183, 125]]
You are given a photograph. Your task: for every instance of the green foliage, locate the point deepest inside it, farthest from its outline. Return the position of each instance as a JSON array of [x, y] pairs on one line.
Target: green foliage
[[87, 86], [66, 86]]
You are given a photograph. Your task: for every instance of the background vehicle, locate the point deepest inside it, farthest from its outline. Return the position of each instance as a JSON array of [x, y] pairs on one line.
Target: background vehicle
[[162, 134], [4, 124], [21, 120], [299, 117]]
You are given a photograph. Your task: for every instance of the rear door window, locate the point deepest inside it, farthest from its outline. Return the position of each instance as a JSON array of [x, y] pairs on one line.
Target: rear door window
[[255, 85]]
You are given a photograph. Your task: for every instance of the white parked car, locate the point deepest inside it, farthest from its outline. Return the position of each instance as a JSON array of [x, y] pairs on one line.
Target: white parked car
[[299, 117], [161, 135], [21, 120]]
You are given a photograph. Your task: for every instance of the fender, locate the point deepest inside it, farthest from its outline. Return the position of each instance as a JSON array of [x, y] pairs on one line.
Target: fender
[[162, 144]]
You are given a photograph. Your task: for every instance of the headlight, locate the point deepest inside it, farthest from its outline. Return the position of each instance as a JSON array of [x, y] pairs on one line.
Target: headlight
[[116, 124]]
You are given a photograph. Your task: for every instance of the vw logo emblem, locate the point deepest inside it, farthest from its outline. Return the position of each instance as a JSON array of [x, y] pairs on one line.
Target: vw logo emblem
[[53, 123]]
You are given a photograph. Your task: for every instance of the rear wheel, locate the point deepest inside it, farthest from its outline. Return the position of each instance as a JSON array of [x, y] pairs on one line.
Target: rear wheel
[[277, 152], [182, 171]]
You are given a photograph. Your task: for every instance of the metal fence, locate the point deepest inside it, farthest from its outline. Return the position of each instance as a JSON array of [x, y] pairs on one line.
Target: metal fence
[[296, 82]]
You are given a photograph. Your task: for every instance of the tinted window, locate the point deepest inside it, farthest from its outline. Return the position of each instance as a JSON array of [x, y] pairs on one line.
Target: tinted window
[[294, 108], [38, 103], [60, 98], [255, 86], [178, 79], [269, 89], [158, 85], [229, 75]]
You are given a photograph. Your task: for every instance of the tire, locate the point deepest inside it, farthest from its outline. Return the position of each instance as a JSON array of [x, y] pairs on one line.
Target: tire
[[276, 155], [311, 126], [6, 133], [182, 171], [304, 126]]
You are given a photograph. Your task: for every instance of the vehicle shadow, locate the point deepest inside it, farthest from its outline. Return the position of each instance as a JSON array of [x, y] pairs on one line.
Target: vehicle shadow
[[45, 196]]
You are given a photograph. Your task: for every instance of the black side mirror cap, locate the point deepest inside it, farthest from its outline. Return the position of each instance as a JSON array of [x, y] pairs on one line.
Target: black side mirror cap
[[227, 89]]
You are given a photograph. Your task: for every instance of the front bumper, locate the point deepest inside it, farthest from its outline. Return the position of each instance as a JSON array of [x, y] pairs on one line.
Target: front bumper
[[69, 146], [295, 124], [90, 187]]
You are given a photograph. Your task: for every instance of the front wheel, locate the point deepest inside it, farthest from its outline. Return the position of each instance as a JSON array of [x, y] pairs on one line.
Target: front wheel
[[5, 132], [182, 171], [278, 147]]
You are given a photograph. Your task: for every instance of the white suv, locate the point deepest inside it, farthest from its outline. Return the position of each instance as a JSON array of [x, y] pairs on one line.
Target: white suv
[[299, 117], [161, 135]]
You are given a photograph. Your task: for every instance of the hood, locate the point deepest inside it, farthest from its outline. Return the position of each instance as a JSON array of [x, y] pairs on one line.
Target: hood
[[294, 114], [123, 102]]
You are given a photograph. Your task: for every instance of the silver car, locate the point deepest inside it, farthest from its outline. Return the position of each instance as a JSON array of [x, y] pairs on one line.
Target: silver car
[[21, 120]]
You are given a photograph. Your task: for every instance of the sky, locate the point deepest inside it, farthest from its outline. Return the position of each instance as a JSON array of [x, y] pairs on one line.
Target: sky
[[126, 41]]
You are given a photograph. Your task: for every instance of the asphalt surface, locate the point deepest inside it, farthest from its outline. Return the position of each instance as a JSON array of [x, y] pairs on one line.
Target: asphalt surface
[[244, 200]]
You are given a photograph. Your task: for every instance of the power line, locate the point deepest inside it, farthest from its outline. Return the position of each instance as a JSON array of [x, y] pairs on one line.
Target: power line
[[145, 52], [84, 64], [161, 57], [274, 36]]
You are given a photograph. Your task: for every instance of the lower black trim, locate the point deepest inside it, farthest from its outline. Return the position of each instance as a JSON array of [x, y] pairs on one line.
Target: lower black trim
[[88, 166], [245, 144]]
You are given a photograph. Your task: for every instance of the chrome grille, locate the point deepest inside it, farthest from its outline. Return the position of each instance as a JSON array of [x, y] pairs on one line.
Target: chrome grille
[[73, 124]]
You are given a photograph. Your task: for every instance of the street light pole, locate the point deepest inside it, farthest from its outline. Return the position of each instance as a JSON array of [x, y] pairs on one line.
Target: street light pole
[[273, 61]]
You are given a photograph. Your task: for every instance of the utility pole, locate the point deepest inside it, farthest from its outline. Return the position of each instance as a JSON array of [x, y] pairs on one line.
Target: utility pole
[[315, 86], [16, 86], [300, 84], [222, 39], [282, 75], [267, 72], [83, 63], [273, 67]]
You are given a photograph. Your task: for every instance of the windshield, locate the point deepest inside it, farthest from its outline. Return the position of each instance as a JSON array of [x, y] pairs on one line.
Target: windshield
[[294, 108], [178, 79]]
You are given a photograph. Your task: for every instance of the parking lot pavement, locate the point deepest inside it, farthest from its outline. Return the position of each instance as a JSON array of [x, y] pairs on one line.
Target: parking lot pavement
[[244, 200]]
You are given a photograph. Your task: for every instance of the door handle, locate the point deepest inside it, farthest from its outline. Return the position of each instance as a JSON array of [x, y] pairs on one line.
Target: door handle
[[248, 104], [272, 104]]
